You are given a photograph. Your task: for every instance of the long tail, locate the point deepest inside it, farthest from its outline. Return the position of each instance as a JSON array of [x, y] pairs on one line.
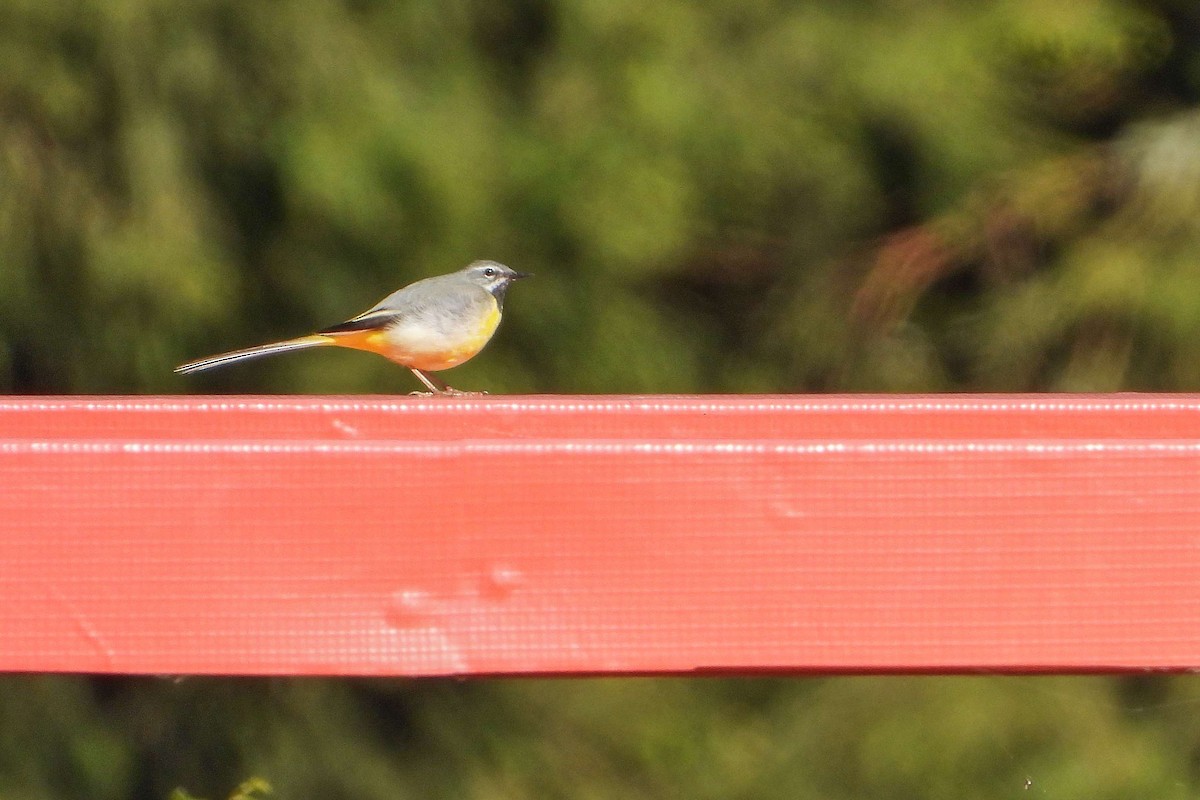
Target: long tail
[[302, 343]]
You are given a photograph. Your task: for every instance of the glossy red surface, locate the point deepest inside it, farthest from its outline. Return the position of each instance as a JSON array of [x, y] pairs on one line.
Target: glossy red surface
[[532, 535]]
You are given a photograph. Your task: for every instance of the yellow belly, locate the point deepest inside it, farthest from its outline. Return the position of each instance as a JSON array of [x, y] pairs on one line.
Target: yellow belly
[[420, 348]]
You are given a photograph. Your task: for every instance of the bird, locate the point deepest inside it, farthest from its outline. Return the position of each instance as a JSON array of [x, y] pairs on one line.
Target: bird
[[430, 325]]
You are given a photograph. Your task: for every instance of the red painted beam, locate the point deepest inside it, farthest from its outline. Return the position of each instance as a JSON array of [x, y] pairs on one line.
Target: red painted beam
[[414, 536]]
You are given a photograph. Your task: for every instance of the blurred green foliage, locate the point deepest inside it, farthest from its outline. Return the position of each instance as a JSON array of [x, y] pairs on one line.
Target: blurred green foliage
[[715, 196], [701, 738], [249, 789], [867, 195]]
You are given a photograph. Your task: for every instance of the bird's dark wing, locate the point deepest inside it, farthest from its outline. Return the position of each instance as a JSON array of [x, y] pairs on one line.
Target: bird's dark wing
[[372, 320]]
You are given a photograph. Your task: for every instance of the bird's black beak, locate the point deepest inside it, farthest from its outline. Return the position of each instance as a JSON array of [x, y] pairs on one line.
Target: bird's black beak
[[516, 276]]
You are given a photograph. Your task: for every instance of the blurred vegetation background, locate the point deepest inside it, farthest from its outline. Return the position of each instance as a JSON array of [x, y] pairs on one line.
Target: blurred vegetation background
[[861, 195]]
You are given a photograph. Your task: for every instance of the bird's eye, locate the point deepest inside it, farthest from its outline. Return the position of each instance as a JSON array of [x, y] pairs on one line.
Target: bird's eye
[[490, 272]]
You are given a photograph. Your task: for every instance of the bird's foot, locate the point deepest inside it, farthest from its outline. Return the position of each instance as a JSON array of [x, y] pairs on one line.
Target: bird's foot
[[437, 387], [449, 391]]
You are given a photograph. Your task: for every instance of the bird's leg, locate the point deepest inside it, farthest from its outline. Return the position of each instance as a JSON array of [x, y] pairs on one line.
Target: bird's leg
[[430, 384], [436, 389]]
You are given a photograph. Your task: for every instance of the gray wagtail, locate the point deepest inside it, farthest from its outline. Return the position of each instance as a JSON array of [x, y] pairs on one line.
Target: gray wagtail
[[433, 324]]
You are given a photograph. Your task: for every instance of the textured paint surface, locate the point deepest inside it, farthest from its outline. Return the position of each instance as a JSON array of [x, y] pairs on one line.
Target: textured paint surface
[[414, 536]]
